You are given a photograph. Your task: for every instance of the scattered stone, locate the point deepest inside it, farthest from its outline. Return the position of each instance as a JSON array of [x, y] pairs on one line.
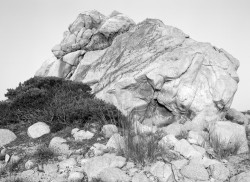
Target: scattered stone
[[75, 177], [7, 158], [113, 175], [74, 131], [14, 159], [195, 172], [58, 145], [140, 177], [180, 163], [219, 172], [95, 165], [6, 136], [83, 135], [161, 170], [168, 141], [98, 149], [38, 129], [109, 130], [29, 164], [187, 150], [67, 164], [173, 129], [195, 138], [116, 141]]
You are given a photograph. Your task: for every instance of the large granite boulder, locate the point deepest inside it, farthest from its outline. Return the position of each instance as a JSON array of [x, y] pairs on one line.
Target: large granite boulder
[[152, 71]]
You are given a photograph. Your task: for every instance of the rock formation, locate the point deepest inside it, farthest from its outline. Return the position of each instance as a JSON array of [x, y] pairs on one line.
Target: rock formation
[[152, 70]]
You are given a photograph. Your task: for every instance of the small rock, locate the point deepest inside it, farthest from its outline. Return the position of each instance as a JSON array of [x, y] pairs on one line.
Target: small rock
[[161, 170], [67, 164], [29, 164], [6, 136], [140, 177], [59, 145], [195, 172], [109, 130], [173, 129], [98, 149], [116, 141], [187, 150], [75, 177], [74, 131], [130, 165], [113, 175], [195, 138], [95, 165], [7, 158], [132, 171], [3, 152], [219, 171], [83, 135], [168, 141], [180, 163], [38, 129], [14, 159]]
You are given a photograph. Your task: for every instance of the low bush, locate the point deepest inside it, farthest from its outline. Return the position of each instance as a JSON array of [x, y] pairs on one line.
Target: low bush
[[57, 102]]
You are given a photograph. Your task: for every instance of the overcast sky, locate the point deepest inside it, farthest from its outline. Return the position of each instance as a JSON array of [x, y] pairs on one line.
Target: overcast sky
[[30, 28]]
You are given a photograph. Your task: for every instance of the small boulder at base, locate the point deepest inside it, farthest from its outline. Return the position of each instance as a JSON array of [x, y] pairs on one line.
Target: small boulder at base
[[108, 130], [195, 171], [38, 129], [140, 177], [58, 145], [6, 136], [161, 170], [75, 177]]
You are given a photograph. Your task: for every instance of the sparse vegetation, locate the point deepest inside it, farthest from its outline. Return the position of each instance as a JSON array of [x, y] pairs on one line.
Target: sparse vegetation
[[183, 135], [141, 148], [223, 148], [43, 154]]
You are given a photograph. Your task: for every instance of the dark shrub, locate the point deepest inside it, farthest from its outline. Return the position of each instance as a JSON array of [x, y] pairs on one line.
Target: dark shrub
[[57, 102]]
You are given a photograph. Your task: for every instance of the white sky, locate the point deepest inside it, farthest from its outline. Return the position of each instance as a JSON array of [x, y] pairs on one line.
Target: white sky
[[30, 28]]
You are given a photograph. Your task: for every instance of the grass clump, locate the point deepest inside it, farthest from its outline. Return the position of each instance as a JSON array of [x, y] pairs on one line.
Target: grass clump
[[224, 148], [141, 148], [43, 154], [182, 135]]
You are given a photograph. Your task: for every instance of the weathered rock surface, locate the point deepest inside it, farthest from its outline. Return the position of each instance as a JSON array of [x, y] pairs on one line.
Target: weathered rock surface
[[153, 70], [6, 136]]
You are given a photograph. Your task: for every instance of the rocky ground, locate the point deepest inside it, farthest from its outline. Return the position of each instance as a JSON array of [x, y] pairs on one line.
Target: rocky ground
[[95, 153]]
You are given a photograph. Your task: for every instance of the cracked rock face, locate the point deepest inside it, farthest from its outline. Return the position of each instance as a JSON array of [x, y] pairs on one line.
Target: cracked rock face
[[152, 70]]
